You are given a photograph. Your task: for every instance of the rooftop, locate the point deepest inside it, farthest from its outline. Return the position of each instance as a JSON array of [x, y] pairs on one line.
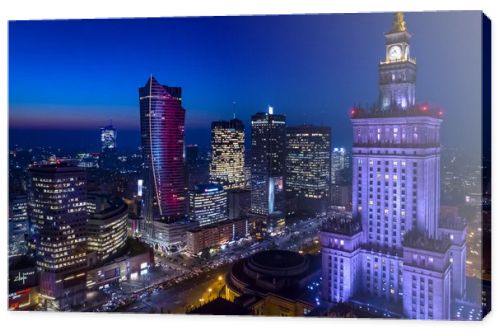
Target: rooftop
[[197, 228], [106, 206], [207, 188], [279, 272], [277, 259], [58, 166], [341, 223], [418, 240]]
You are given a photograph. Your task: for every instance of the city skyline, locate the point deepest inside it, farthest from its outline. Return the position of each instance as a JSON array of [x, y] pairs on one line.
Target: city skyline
[[315, 72], [292, 212]]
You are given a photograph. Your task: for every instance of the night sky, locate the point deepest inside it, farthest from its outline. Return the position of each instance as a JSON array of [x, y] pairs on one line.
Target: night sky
[[68, 78]]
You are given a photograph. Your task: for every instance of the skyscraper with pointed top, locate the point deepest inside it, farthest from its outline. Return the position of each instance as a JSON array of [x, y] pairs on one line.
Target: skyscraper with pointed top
[[162, 140]]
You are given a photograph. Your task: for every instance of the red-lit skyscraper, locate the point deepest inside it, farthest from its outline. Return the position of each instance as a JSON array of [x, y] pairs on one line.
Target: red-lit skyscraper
[[162, 139]]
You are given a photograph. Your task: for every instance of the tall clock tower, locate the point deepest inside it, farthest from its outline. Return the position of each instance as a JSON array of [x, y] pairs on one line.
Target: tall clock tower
[[397, 73], [394, 252]]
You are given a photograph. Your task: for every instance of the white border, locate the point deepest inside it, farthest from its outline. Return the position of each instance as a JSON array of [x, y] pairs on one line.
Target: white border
[[18, 322]]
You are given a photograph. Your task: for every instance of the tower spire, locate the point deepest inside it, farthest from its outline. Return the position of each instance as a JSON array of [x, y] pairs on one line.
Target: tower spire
[[399, 24]]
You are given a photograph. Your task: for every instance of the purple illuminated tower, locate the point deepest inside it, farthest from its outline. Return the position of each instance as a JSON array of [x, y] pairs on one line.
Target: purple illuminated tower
[[162, 138], [394, 254]]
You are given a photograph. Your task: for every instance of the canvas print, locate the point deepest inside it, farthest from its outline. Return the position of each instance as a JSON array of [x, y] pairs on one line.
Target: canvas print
[[285, 165]]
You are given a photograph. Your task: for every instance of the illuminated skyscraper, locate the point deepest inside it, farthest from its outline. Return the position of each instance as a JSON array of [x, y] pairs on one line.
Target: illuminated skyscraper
[[57, 211], [341, 191], [308, 167], [162, 135], [228, 154], [108, 155], [208, 204], [393, 253], [268, 168], [340, 162], [108, 138]]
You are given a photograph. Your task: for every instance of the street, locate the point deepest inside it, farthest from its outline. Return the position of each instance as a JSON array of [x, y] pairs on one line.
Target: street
[[180, 282]]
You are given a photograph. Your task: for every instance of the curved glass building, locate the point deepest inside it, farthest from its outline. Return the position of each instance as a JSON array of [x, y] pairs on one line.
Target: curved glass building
[[162, 140], [107, 226]]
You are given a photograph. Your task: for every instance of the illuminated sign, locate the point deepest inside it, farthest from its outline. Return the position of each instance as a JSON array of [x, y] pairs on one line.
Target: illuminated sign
[[22, 277]]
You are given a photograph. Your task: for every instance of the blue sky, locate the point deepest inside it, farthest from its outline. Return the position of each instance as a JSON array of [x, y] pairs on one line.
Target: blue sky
[[78, 74]]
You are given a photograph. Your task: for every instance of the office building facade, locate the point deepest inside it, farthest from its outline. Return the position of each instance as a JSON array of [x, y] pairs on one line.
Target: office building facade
[[308, 167], [106, 226], [228, 154], [216, 235], [57, 212], [268, 156], [208, 204], [340, 164]]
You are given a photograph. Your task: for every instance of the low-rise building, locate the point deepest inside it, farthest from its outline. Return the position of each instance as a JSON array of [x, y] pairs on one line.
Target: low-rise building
[[135, 260], [275, 283], [215, 235]]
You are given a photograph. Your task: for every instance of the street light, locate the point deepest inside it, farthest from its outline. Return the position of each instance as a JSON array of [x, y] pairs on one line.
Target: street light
[[220, 278]]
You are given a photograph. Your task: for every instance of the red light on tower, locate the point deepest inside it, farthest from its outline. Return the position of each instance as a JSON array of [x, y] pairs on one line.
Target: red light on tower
[[424, 108], [353, 112]]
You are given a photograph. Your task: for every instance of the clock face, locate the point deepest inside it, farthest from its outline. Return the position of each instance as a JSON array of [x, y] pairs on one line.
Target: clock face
[[395, 52]]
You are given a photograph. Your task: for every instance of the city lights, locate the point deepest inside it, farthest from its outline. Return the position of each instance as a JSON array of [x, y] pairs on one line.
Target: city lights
[[316, 210]]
